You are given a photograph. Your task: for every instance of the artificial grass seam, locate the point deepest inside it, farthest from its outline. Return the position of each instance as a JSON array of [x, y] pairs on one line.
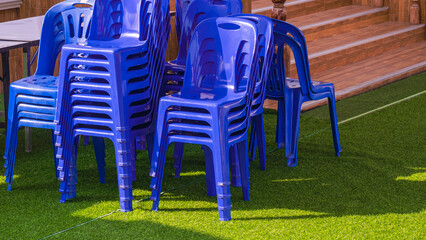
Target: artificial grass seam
[[110, 213], [366, 113], [273, 150]]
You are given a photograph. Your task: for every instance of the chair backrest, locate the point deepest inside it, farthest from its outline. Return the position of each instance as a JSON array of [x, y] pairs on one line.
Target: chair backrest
[[181, 6], [113, 19], [221, 57], [66, 22], [197, 11], [285, 33], [265, 51]]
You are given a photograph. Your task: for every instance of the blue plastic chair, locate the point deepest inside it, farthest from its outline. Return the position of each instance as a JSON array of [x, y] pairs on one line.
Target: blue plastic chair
[[213, 106], [32, 100], [265, 51], [109, 86], [291, 93]]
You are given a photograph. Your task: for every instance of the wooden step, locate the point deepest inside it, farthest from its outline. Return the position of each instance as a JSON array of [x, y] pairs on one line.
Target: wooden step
[[297, 8], [360, 44], [339, 20], [371, 73]]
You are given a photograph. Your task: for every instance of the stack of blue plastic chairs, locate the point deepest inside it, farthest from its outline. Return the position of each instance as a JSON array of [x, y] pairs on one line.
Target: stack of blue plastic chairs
[[213, 107], [109, 85], [32, 100], [291, 93], [188, 15]]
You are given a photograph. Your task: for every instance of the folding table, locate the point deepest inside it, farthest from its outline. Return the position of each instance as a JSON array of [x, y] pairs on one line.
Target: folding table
[[22, 33]]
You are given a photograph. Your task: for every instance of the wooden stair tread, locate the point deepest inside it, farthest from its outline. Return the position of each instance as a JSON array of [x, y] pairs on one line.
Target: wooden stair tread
[[391, 61], [358, 36], [320, 18], [359, 77], [339, 20]]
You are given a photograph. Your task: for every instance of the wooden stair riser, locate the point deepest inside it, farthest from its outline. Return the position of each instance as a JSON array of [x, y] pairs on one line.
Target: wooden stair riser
[[313, 32], [363, 50]]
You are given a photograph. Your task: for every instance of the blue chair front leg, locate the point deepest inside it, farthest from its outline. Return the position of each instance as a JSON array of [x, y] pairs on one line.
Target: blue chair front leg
[[293, 104], [11, 140]]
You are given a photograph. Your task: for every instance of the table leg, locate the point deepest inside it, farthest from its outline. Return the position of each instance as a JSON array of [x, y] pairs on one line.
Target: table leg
[[28, 139], [6, 83]]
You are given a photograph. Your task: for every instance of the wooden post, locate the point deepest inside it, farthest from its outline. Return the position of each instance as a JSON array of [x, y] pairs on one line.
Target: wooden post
[[279, 12], [246, 6], [377, 3], [414, 12]]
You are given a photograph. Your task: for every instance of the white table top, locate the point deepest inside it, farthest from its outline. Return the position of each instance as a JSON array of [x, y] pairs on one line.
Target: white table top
[[24, 30], [7, 45]]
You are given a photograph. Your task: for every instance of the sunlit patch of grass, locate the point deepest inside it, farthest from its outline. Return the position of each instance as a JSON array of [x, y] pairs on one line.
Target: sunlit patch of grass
[[3, 179], [193, 174], [294, 180], [416, 177]]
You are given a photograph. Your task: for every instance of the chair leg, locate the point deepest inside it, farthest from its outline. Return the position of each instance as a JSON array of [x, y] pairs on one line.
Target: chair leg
[[10, 148], [157, 172], [235, 166], [12, 123], [133, 158], [65, 154], [86, 140], [124, 175], [244, 170], [334, 125], [253, 140], [141, 143], [150, 145], [54, 152], [72, 174], [281, 130], [293, 104], [260, 132], [99, 147], [178, 155], [221, 172], [210, 180]]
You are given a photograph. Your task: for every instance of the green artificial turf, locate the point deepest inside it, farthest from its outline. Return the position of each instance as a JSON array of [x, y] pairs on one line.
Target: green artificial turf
[[375, 190]]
